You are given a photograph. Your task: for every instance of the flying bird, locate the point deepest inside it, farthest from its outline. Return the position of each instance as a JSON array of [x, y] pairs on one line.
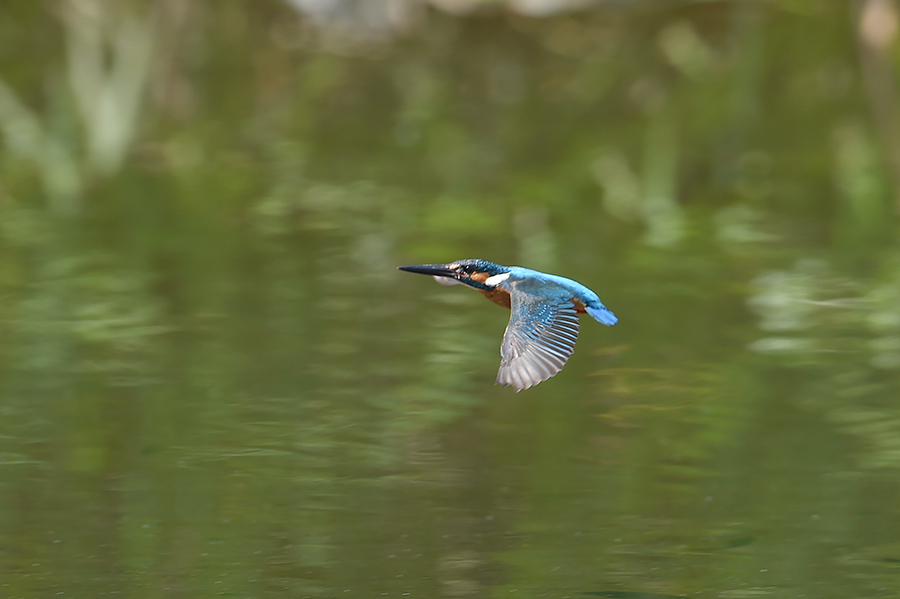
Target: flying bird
[[543, 321]]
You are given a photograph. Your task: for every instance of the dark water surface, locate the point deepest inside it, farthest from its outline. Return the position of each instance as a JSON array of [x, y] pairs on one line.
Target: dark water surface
[[213, 381]]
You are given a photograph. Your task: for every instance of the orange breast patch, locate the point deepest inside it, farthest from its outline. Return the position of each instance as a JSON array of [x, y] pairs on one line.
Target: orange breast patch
[[496, 295]]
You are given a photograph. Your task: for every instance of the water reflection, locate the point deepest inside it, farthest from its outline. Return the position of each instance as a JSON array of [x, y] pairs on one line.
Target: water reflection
[[212, 379]]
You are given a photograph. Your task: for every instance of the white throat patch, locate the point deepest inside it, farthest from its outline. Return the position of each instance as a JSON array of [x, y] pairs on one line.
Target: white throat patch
[[446, 281], [496, 279]]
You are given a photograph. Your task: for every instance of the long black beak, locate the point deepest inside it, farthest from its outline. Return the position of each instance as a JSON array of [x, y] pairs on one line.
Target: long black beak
[[435, 270]]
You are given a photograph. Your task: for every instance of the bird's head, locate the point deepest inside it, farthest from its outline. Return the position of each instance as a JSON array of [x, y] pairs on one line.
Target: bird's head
[[473, 272]]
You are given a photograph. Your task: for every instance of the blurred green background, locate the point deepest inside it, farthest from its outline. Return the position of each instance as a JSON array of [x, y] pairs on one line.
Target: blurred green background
[[213, 381]]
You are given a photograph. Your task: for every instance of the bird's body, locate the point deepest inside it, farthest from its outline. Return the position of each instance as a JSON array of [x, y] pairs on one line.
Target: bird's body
[[543, 323]]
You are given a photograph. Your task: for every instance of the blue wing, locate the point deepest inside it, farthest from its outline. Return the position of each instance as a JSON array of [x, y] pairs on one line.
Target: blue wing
[[539, 339]]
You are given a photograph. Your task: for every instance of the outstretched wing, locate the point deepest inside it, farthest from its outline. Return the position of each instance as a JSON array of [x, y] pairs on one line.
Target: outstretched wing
[[538, 341]]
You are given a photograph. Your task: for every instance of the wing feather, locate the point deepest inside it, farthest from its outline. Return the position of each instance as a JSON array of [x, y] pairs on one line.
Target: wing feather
[[538, 341]]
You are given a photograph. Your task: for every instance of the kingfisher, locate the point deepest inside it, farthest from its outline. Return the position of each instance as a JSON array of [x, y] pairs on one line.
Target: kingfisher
[[543, 321]]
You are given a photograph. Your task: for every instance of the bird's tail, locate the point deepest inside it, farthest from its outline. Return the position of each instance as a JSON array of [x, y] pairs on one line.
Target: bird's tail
[[602, 314]]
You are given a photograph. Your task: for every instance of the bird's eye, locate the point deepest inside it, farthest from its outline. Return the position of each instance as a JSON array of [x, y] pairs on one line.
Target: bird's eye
[[466, 269]]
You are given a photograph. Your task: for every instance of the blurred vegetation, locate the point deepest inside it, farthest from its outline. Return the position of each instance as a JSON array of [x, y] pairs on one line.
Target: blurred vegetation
[[212, 377]]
